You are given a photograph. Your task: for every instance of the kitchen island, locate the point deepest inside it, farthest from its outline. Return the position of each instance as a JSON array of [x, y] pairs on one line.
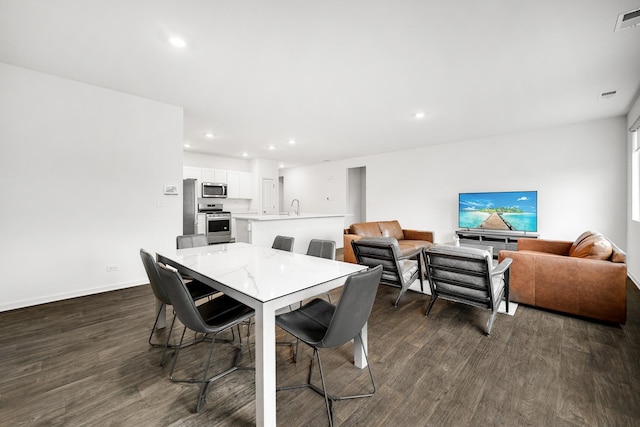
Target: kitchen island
[[262, 229]]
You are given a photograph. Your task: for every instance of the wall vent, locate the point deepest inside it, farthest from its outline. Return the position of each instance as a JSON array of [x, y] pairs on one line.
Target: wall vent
[[628, 20], [607, 95]]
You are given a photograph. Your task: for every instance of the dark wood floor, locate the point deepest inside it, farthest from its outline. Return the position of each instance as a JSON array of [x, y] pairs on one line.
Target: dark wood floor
[[86, 361]]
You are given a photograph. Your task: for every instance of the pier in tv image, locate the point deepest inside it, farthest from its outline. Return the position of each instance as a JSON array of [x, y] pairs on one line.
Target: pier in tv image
[[506, 210]]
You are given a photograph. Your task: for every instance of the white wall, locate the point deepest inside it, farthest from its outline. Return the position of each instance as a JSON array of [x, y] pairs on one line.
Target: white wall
[[82, 171], [633, 227], [579, 171]]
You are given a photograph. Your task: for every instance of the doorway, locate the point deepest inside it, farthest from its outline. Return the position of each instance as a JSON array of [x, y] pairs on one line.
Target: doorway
[[268, 196], [356, 195]]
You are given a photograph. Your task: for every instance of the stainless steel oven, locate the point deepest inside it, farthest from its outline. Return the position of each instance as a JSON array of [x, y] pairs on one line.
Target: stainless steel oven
[[218, 223], [219, 227]]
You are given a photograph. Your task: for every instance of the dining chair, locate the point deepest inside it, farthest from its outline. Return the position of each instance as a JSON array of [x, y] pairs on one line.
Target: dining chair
[[211, 318], [322, 325], [283, 243], [321, 249], [196, 290], [466, 275], [191, 241]]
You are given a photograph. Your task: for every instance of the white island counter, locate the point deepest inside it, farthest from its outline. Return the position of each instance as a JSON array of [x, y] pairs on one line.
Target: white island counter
[[262, 229]]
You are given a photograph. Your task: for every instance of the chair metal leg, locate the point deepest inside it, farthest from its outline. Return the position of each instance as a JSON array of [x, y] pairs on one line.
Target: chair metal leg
[[154, 327], [434, 297], [206, 380], [166, 344], [330, 399], [316, 353]]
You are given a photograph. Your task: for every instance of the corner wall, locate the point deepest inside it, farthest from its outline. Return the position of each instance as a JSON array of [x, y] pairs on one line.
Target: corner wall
[[83, 171], [633, 227]]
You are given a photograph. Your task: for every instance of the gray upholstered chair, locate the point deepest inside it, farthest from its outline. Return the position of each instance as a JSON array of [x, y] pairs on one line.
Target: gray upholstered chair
[[322, 248], [467, 275], [191, 241], [321, 324], [398, 270], [211, 318], [283, 243], [197, 291]]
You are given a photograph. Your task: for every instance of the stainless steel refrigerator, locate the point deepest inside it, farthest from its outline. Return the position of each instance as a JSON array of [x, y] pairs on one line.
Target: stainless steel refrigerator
[[189, 205]]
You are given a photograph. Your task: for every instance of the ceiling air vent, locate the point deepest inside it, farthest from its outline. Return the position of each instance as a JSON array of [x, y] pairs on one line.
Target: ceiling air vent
[[628, 20]]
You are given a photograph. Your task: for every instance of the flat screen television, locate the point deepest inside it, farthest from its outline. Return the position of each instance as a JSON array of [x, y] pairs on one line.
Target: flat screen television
[[506, 210]]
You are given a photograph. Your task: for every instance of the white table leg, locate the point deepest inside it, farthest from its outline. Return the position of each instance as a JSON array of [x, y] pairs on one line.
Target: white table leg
[[265, 338], [358, 355]]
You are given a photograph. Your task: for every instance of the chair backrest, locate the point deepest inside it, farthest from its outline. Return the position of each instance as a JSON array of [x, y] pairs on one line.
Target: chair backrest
[[322, 248], [461, 274], [283, 243], [354, 308], [181, 300], [384, 251], [151, 267], [191, 241]]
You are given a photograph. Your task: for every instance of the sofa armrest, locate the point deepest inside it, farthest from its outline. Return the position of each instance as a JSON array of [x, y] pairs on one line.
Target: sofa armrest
[[418, 235], [557, 247], [580, 286], [349, 255]]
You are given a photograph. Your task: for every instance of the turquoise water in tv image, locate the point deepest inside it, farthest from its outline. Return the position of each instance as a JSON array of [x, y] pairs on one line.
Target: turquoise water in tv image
[[518, 209]]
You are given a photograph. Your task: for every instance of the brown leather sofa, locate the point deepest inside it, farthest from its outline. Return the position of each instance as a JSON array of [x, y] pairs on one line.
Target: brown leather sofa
[[408, 240], [585, 278]]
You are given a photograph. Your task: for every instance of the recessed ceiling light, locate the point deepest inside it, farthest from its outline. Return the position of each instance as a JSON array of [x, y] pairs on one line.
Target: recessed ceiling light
[[177, 42], [280, 165], [420, 115], [292, 141], [245, 154], [187, 145], [209, 135], [271, 147]]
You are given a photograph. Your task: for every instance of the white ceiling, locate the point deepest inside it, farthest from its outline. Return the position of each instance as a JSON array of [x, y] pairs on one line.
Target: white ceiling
[[343, 78]]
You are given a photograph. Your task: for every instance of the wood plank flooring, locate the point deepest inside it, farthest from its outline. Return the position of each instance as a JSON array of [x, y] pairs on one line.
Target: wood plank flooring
[[86, 361]]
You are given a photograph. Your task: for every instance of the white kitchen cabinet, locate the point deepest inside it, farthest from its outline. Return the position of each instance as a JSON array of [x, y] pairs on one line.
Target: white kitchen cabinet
[[239, 185], [201, 223]]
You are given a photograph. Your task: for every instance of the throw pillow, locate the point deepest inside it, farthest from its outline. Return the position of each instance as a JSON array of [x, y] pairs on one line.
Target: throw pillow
[[591, 246]]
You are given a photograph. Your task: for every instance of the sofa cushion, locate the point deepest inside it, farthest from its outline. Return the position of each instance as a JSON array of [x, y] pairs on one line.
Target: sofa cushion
[[408, 246], [591, 245], [366, 229], [391, 229]]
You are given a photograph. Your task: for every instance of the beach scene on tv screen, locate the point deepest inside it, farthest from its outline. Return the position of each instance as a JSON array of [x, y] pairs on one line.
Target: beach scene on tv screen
[[516, 211]]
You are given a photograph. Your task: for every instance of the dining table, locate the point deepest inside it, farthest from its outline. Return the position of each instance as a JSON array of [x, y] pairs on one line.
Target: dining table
[[267, 280]]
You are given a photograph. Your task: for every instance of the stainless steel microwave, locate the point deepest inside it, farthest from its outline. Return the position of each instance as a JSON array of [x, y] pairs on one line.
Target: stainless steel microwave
[[214, 190]]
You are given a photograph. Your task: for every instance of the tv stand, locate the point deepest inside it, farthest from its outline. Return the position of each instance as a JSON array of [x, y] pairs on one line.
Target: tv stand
[[497, 239]]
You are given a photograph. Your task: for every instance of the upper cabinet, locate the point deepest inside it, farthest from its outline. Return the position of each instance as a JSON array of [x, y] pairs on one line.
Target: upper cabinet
[[214, 175], [239, 184]]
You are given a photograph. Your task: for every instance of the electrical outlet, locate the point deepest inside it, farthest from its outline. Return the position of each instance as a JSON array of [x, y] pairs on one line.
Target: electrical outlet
[[112, 267]]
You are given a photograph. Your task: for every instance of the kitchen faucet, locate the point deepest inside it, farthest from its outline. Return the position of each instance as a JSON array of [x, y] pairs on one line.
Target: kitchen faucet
[[297, 207]]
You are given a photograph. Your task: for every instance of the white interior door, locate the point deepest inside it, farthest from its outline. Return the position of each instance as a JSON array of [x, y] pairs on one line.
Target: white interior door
[[268, 196]]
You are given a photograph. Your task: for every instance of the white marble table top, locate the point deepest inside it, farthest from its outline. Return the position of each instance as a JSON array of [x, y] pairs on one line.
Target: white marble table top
[[259, 272]]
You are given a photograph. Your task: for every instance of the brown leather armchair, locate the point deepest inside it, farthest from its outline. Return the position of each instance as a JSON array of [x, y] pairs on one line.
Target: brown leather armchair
[[408, 240], [585, 278]]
